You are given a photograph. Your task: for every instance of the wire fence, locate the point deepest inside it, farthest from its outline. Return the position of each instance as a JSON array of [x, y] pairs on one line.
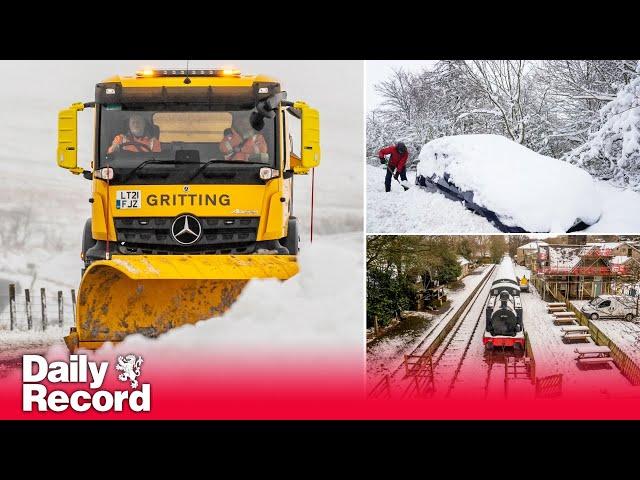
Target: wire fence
[[37, 309]]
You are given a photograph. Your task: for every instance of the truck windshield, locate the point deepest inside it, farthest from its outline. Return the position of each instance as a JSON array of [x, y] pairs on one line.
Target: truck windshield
[[174, 143]]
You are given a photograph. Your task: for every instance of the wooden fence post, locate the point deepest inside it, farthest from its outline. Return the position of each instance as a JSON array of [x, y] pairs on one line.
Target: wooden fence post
[[43, 303], [27, 298], [60, 312], [12, 305]]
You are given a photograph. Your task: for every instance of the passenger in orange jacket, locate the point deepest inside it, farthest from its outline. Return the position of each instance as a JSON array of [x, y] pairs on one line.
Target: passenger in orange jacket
[[399, 155], [135, 139], [241, 141]]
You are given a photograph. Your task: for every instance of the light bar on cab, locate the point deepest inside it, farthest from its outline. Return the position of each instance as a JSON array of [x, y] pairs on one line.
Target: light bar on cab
[[214, 72]]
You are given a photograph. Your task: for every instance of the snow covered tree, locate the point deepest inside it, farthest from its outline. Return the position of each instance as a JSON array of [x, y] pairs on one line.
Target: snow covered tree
[[582, 111], [612, 150], [576, 91]]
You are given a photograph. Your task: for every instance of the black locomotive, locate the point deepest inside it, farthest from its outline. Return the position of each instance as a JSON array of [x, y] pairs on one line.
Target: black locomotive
[[504, 326]]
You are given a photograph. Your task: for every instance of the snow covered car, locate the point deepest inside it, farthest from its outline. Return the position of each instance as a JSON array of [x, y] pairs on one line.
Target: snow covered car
[[610, 306], [516, 189]]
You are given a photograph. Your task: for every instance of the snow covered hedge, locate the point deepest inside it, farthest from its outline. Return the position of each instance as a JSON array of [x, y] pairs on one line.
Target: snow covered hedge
[[524, 188], [612, 151]]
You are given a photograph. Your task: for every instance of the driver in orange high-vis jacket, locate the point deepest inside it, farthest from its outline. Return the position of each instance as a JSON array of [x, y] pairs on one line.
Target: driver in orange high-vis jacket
[[241, 140], [135, 139]]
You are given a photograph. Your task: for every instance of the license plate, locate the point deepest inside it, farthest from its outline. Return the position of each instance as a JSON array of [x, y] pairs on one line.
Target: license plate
[[128, 199]]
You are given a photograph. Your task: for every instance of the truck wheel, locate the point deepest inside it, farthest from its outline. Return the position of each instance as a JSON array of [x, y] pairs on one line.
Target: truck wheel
[[594, 316], [87, 243], [628, 317], [292, 238]]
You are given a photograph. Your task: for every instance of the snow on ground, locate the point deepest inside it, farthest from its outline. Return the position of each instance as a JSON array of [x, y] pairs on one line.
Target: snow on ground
[[17, 343], [416, 210], [552, 356], [506, 176], [620, 210], [321, 306], [386, 354], [626, 335]]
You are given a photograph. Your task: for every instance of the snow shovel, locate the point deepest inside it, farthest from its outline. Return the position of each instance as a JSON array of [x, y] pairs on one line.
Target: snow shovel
[[396, 178]]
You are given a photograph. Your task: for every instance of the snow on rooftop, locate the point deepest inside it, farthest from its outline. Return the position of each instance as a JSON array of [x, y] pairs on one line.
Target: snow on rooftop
[[619, 260], [605, 245], [524, 188], [532, 245], [565, 257], [462, 260]]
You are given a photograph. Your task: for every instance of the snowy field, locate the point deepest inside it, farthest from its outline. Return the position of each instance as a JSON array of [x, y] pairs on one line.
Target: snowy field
[[553, 356], [49, 206], [418, 211]]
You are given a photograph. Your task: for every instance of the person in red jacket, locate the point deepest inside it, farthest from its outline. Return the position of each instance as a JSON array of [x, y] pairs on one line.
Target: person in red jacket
[[399, 155]]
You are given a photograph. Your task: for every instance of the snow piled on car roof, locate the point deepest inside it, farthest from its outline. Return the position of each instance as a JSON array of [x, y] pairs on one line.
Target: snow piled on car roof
[[525, 189]]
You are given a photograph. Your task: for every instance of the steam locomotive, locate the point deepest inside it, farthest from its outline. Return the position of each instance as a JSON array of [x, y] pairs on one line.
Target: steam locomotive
[[504, 326]]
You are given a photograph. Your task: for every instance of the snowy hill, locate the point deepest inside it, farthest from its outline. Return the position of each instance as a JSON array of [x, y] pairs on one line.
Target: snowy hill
[[613, 149]]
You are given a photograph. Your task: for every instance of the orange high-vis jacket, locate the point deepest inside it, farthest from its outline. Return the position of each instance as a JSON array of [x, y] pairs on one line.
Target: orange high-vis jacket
[[152, 144], [233, 147]]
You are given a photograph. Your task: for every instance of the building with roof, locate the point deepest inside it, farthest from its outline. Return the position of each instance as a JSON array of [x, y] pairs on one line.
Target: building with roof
[[526, 254], [581, 271], [465, 266]]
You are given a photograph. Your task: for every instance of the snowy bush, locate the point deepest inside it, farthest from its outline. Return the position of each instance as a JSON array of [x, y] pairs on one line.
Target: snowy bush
[[15, 227]]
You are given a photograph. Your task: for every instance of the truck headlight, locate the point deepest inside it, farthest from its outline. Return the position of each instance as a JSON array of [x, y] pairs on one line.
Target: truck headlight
[[105, 173], [267, 173]]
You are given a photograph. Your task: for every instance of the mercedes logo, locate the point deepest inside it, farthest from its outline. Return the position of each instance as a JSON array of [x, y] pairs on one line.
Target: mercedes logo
[[186, 229]]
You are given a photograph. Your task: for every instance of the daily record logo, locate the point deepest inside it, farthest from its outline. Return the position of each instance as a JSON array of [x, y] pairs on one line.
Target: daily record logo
[[36, 396]]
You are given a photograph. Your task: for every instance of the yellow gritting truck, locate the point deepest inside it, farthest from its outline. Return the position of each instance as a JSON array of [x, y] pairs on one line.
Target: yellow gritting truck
[[192, 196]]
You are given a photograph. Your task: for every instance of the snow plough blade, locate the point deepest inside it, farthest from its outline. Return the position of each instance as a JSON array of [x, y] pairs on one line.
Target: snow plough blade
[[150, 294]]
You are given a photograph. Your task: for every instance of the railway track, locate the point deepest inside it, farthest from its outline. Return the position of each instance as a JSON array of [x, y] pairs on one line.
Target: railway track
[[429, 336], [424, 369], [449, 358]]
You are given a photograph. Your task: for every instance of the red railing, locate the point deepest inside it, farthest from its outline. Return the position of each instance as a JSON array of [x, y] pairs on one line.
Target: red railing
[[599, 252], [619, 269], [597, 271]]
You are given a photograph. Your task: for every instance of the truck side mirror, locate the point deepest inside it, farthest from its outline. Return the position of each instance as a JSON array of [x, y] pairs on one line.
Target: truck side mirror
[[67, 154], [310, 138]]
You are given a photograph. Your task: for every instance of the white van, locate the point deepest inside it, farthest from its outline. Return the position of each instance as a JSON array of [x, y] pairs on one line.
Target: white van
[[610, 306]]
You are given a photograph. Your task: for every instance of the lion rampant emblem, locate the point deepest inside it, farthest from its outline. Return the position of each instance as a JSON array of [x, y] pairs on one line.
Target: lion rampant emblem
[[130, 368]]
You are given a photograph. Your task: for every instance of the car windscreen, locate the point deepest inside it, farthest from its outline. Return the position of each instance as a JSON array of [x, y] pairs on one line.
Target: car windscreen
[[176, 141]]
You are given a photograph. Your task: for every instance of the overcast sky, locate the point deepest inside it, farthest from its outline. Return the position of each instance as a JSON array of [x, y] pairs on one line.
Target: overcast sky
[[378, 70]]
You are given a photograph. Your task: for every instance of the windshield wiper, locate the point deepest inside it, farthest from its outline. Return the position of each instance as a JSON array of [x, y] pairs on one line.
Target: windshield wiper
[[154, 161], [206, 164]]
